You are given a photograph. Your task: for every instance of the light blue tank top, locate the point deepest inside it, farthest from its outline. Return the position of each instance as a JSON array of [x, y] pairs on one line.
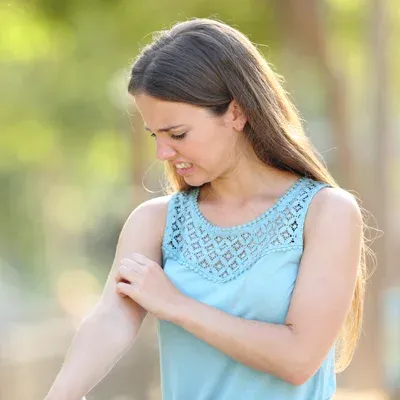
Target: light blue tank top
[[248, 271]]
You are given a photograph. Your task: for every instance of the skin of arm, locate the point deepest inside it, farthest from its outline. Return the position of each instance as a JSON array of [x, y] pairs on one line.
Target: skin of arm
[[319, 305], [112, 326]]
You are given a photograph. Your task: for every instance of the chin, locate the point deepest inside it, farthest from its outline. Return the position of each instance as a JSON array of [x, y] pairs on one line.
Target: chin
[[195, 181]]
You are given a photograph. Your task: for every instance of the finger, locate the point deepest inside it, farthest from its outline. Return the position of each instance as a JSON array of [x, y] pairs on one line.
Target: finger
[[119, 278], [125, 289], [120, 294], [140, 258], [132, 264], [128, 262], [144, 261], [129, 275], [120, 290]]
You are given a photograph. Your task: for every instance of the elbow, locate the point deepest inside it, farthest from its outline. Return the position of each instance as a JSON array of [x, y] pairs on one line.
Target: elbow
[[299, 378], [300, 372], [296, 371], [293, 376], [300, 363], [292, 372]]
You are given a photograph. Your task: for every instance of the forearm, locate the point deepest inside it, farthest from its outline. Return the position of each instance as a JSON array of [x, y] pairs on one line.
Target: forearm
[[99, 343], [267, 347]]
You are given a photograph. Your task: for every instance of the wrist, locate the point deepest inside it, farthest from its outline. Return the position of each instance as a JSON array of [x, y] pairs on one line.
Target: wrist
[[181, 311]]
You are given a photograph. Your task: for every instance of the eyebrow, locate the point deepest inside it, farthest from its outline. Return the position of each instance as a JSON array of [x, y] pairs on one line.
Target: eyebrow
[[168, 128]]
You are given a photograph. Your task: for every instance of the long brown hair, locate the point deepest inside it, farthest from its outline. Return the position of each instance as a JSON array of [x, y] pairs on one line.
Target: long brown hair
[[207, 63]]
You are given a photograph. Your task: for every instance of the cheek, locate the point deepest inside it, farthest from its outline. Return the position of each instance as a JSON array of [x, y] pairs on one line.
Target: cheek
[[215, 157], [213, 147], [222, 149]]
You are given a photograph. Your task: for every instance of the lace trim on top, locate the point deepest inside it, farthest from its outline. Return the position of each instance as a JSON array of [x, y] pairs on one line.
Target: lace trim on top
[[221, 254]]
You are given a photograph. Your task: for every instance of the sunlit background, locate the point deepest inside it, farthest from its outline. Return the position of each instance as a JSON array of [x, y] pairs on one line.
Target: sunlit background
[[75, 161]]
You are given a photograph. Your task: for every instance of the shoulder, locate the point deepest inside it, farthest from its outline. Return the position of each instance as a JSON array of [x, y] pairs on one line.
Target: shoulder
[[143, 230], [334, 209], [153, 212], [157, 205], [148, 218]]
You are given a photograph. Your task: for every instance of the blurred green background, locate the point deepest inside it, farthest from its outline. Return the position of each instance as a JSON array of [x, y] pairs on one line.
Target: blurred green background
[[75, 161]]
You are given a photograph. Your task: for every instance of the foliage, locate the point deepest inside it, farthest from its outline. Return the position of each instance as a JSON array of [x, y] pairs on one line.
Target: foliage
[[66, 139]]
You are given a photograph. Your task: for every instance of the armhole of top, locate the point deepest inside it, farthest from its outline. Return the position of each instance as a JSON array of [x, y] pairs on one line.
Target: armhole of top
[[168, 221], [303, 217]]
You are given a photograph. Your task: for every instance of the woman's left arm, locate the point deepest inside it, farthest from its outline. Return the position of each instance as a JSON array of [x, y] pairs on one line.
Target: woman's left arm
[[320, 302], [319, 305]]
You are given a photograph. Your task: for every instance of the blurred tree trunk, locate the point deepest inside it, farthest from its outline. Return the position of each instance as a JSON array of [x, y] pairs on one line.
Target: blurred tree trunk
[[380, 190], [303, 28], [304, 33]]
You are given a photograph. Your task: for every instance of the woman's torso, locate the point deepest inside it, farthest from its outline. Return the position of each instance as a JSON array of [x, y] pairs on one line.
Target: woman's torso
[[248, 271]]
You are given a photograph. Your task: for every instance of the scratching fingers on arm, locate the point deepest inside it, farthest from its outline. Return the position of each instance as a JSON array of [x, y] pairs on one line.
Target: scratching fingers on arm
[[112, 326]]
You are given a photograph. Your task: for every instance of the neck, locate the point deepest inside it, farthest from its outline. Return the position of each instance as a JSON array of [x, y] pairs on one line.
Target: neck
[[247, 180]]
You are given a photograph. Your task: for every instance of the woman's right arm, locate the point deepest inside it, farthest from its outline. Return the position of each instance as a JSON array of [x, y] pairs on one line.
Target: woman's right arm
[[112, 326]]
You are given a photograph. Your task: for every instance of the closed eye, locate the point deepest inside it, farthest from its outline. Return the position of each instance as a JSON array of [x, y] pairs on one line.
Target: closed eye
[[178, 137], [175, 137]]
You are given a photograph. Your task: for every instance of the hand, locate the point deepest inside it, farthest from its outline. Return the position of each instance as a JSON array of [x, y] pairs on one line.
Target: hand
[[145, 282]]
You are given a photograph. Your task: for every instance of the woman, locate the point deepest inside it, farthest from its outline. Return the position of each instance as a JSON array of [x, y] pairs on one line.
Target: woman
[[253, 265]]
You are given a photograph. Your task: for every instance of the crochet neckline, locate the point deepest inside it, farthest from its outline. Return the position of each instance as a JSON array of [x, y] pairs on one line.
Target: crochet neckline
[[262, 216]]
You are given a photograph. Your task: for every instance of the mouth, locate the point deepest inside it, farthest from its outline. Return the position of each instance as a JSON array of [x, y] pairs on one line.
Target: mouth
[[184, 168]]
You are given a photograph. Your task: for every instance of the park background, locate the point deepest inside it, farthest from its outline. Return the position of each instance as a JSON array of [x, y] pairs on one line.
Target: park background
[[75, 161]]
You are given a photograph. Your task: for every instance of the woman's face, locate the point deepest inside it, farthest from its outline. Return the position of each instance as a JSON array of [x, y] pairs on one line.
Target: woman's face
[[189, 134]]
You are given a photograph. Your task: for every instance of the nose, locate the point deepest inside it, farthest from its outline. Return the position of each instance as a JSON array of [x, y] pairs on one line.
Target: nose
[[164, 151]]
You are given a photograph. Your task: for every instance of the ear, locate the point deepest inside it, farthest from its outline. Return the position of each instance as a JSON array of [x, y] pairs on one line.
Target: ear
[[236, 116]]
